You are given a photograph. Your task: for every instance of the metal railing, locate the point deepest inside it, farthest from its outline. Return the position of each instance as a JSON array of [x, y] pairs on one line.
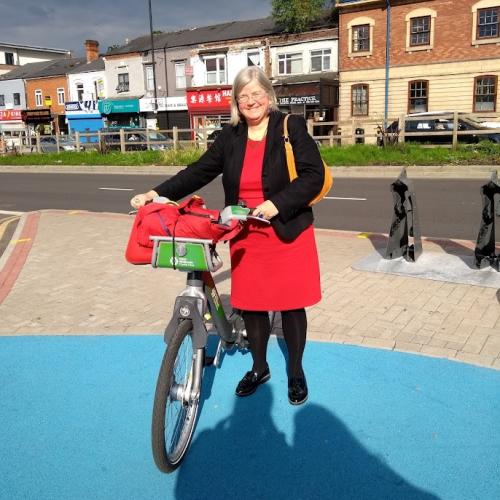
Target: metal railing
[[372, 130]]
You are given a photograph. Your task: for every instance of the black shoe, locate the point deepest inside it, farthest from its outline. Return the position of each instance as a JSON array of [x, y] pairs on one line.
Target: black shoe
[[297, 390], [249, 383]]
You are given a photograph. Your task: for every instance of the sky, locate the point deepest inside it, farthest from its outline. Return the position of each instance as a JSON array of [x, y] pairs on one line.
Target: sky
[[66, 24]]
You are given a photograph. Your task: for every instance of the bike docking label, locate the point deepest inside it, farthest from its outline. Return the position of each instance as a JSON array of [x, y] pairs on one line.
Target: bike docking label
[[182, 256]]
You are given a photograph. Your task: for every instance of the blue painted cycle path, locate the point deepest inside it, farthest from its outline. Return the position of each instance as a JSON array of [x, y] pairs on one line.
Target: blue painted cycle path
[[75, 424]]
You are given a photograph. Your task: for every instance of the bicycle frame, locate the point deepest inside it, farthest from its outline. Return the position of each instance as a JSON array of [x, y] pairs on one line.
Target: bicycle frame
[[199, 298]]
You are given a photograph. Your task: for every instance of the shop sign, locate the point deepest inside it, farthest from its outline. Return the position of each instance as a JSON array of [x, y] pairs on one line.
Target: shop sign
[[47, 101], [10, 115], [303, 99], [100, 87], [81, 108], [110, 106], [205, 100], [36, 115], [163, 104]]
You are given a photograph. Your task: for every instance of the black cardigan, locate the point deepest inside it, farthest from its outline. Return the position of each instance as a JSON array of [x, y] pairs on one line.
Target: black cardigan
[[226, 156]]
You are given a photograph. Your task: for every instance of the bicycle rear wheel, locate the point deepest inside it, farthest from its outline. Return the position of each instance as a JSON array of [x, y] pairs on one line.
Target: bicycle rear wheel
[[176, 403]]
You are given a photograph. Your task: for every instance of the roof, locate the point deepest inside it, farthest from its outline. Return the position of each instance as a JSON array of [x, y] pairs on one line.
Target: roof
[[34, 47], [97, 65], [233, 30], [44, 69]]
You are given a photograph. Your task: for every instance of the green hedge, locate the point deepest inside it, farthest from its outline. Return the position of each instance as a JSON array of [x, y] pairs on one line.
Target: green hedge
[[485, 153]]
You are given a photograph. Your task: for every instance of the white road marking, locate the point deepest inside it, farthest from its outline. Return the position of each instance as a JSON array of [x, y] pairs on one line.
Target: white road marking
[[116, 189], [8, 212], [339, 198]]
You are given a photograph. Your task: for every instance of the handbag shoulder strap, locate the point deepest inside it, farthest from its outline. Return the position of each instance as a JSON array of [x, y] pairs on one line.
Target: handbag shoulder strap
[[290, 158]]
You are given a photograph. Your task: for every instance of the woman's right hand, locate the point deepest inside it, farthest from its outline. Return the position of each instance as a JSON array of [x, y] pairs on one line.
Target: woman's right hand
[[139, 200]]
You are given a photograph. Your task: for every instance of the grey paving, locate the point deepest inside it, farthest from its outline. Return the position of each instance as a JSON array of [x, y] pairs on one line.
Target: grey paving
[[76, 281]]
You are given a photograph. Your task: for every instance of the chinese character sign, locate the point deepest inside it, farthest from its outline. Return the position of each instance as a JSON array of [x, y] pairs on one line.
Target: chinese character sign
[[205, 100]]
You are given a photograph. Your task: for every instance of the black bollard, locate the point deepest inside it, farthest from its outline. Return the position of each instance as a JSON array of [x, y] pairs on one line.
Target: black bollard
[[405, 223], [484, 252]]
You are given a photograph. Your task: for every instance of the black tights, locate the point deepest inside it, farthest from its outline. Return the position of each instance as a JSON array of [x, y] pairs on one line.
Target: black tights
[[258, 329]]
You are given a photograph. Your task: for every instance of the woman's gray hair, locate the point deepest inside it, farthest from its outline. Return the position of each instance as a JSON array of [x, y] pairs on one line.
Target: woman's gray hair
[[244, 77]]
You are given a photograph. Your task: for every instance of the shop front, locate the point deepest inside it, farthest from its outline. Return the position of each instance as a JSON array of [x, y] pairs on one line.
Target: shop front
[[12, 128], [121, 113], [39, 120], [313, 97], [170, 112], [84, 117], [209, 108]]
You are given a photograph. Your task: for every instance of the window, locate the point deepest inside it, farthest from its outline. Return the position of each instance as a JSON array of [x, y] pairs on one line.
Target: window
[[17, 99], [38, 98], [180, 75], [418, 96], [485, 93], [9, 58], [79, 92], [488, 23], [253, 58], [359, 100], [361, 38], [289, 64], [216, 69], [123, 84], [420, 31], [320, 60], [2, 100], [60, 96], [150, 80]]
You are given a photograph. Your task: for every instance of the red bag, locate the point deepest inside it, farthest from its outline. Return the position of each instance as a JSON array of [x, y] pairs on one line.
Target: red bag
[[189, 219]]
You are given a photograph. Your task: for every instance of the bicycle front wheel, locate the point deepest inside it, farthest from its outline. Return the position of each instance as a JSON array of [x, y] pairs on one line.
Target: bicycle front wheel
[[176, 399]]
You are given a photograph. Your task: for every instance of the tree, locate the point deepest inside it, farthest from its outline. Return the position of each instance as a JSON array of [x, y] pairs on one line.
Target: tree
[[297, 15]]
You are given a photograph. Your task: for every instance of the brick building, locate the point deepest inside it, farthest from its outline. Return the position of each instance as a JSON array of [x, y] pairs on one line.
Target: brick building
[[46, 93], [440, 55]]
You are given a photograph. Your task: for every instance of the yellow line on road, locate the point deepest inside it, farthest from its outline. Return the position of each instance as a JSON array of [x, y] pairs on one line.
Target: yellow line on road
[[22, 240]]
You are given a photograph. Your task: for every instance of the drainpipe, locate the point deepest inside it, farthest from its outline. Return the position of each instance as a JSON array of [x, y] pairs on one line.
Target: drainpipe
[[155, 105], [166, 81], [387, 60]]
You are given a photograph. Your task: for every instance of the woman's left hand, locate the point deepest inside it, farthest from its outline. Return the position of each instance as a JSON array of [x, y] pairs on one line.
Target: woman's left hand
[[266, 210]]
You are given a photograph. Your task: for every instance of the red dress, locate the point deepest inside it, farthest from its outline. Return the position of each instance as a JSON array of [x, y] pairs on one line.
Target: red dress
[[267, 273]]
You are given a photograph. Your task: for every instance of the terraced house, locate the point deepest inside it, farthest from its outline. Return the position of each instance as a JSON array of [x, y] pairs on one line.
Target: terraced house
[[407, 56]]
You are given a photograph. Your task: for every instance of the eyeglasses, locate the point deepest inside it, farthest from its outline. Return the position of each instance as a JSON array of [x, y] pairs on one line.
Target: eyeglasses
[[256, 96]]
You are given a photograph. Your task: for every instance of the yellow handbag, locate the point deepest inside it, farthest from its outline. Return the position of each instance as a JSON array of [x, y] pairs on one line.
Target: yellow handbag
[[292, 170]]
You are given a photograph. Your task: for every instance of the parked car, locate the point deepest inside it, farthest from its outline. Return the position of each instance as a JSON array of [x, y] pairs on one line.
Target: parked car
[[48, 143], [429, 123], [136, 140]]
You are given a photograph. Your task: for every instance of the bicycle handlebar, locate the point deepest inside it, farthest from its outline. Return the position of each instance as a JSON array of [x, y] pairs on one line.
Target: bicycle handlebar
[[227, 215]]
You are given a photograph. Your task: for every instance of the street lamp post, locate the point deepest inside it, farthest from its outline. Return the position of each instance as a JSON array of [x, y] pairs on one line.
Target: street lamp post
[[155, 104]]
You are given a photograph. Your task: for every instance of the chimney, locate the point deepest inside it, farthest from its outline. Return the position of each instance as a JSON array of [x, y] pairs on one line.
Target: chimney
[[91, 50]]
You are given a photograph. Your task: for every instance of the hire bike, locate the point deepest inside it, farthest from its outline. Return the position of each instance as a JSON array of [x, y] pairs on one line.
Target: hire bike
[[197, 311]]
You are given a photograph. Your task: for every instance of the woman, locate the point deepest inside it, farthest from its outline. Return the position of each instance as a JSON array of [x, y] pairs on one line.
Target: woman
[[275, 267]]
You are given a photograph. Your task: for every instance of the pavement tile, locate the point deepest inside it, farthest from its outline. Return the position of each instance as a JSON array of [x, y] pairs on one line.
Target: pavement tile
[[440, 352], [407, 346], [379, 343], [475, 359], [491, 347]]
